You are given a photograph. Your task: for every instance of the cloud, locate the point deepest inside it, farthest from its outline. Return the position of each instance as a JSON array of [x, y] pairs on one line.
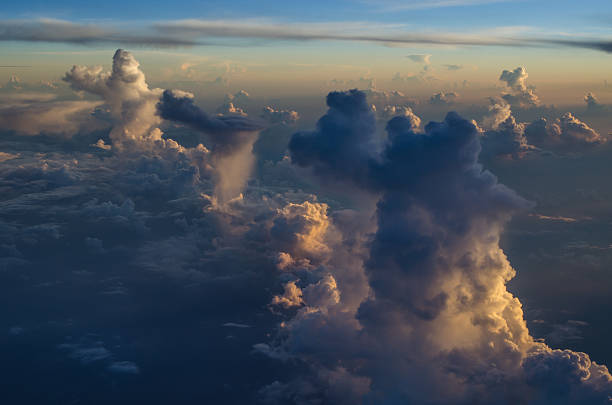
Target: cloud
[[420, 58], [439, 325], [60, 31], [126, 92], [453, 67], [239, 97], [124, 367], [504, 136], [280, 116], [593, 104], [393, 5], [507, 139], [345, 130], [230, 109], [236, 325], [50, 117], [443, 98], [498, 113], [390, 283], [521, 95], [230, 136], [292, 296], [391, 111], [14, 83], [224, 131], [193, 32], [4, 156], [564, 133], [87, 353]]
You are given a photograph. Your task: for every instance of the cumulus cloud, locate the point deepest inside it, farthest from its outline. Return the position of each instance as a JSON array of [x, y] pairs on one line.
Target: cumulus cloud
[[391, 111], [396, 296], [230, 109], [350, 145], [521, 95], [125, 90], [442, 98], [504, 135], [507, 139], [279, 116], [593, 104], [439, 325], [564, 133]]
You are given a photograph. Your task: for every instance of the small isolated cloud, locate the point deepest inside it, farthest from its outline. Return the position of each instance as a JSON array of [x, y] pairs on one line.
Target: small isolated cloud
[[16, 330], [124, 367], [442, 98], [593, 104], [236, 325], [4, 156], [420, 58], [521, 94], [453, 67], [87, 353], [229, 108], [276, 116], [555, 218]]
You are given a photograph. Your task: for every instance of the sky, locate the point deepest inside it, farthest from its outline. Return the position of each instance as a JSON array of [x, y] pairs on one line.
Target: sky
[[349, 202], [257, 38]]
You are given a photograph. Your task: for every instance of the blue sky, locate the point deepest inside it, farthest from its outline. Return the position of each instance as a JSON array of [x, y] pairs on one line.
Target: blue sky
[[561, 15]]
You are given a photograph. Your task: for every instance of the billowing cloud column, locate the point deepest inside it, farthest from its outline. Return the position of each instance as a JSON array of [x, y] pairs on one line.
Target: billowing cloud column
[[439, 325], [125, 90]]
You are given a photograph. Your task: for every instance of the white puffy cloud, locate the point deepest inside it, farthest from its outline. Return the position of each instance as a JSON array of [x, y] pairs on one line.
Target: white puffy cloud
[[125, 90], [391, 111], [521, 95], [442, 98], [230, 109]]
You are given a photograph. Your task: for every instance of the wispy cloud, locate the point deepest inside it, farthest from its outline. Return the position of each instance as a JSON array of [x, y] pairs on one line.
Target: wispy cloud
[[193, 32], [51, 30], [395, 5]]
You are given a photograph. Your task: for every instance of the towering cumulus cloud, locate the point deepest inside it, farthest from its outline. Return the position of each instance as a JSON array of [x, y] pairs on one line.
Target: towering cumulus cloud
[[521, 94], [125, 90], [435, 323], [231, 138], [137, 111]]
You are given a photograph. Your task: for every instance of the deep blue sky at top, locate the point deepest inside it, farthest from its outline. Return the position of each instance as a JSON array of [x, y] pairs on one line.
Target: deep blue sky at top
[[561, 15]]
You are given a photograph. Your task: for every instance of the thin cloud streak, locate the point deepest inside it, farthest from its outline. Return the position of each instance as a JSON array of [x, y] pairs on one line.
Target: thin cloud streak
[[194, 32], [393, 5], [60, 31]]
